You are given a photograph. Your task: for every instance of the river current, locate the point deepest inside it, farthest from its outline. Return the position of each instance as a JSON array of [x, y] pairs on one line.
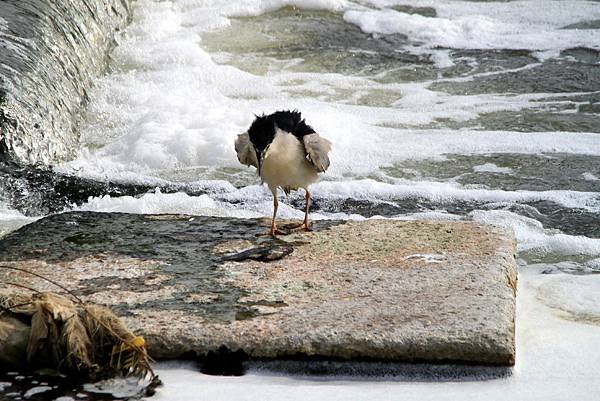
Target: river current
[[475, 110]]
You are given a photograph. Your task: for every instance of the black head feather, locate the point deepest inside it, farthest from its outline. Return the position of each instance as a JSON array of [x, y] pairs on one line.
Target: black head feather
[[262, 130]]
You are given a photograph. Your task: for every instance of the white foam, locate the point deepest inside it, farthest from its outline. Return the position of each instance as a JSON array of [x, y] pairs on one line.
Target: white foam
[[128, 157], [369, 189], [222, 199], [167, 104], [576, 296], [430, 215], [466, 31], [253, 201], [590, 177], [532, 236], [253, 8], [492, 168], [441, 58], [36, 390], [532, 25], [546, 54], [118, 387], [159, 203], [11, 219], [531, 14], [7, 213]]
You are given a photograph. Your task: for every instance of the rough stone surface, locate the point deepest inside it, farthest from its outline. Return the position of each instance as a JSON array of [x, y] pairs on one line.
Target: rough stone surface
[[13, 341], [380, 289]]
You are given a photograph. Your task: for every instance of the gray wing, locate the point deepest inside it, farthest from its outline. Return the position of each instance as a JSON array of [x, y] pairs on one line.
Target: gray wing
[[246, 153], [317, 149]]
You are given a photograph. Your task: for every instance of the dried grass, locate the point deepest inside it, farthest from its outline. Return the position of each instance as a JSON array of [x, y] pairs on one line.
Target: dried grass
[[80, 337]]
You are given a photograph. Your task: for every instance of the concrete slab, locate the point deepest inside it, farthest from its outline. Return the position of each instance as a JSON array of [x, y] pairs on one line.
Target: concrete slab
[[375, 290]]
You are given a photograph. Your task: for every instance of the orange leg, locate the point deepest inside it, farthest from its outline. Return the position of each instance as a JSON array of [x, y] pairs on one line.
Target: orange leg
[[274, 229], [305, 224]]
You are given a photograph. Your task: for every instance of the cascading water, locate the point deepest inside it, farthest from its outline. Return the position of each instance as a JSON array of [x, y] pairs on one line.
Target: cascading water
[[51, 53], [481, 110]]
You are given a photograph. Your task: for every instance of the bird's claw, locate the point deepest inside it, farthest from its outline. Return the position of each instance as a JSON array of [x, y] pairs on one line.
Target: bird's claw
[[292, 226], [276, 231], [273, 233], [298, 226]]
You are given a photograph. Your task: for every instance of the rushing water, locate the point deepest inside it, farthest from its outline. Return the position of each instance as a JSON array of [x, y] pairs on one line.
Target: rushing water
[[50, 53], [480, 110]]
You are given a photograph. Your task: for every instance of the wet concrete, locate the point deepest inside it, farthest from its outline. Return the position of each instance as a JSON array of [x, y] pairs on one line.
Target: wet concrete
[[376, 290]]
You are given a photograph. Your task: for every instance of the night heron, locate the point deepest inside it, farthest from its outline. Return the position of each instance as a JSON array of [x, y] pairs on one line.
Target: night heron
[[287, 153]]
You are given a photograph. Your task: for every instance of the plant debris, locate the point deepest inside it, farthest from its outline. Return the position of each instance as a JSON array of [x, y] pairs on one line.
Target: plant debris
[[77, 337]]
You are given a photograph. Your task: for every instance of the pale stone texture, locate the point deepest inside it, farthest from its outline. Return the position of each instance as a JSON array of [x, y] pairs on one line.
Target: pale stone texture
[[381, 289]]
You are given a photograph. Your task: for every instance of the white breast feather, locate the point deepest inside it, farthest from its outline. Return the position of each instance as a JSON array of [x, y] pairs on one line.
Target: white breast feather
[[285, 164]]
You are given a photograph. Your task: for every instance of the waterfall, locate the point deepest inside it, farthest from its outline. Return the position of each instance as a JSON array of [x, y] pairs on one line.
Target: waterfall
[[50, 52]]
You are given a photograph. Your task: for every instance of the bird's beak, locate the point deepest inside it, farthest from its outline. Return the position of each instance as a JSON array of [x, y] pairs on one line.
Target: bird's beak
[[261, 158]]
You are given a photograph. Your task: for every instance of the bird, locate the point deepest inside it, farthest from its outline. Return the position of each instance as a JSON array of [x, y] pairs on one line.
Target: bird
[[287, 153]]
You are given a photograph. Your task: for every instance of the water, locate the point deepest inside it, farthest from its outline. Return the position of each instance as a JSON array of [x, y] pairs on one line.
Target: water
[[51, 52], [52, 386], [476, 110]]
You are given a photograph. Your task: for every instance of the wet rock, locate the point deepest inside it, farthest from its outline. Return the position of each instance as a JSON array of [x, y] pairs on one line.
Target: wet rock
[[377, 290], [589, 108], [14, 335], [37, 190]]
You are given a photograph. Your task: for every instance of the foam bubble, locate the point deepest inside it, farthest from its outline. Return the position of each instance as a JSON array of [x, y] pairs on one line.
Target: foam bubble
[[546, 54], [159, 203], [11, 219], [36, 390], [254, 8], [431, 215], [590, 177], [531, 235], [7, 213], [466, 31], [447, 192], [576, 296], [249, 202], [492, 168], [532, 25], [256, 201]]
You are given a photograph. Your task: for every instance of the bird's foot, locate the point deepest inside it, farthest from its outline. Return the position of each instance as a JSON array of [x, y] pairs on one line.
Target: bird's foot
[[299, 226], [306, 227], [273, 232], [276, 231], [292, 226]]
